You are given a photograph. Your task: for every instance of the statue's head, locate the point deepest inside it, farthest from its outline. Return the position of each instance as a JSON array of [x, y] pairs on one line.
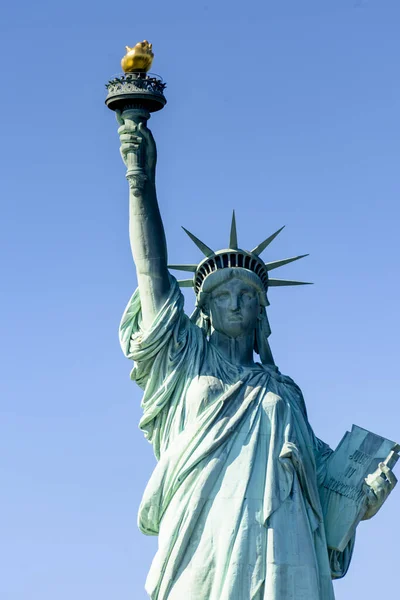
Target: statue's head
[[231, 299], [231, 289]]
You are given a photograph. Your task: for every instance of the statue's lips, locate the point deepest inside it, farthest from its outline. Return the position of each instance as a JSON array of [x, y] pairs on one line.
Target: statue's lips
[[235, 318]]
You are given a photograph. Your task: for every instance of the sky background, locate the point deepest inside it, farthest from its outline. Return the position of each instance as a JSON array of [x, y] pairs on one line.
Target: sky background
[[287, 111]]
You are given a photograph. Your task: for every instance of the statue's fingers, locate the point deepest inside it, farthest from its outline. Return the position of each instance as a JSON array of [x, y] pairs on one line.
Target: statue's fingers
[[126, 128], [390, 476], [130, 135], [371, 503], [128, 138], [370, 495], [126, 148], [151, 148], [373, 476], [146, 133], [376, 484], [131, 125], [119, 118]]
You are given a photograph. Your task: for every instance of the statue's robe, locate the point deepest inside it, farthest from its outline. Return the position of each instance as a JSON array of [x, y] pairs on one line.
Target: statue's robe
[[234, 496]]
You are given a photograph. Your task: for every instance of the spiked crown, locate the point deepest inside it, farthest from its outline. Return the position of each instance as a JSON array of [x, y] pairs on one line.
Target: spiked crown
[[235, 257]]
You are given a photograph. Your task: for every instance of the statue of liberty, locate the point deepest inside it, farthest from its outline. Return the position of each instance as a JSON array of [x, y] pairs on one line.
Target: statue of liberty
[[235, 498]]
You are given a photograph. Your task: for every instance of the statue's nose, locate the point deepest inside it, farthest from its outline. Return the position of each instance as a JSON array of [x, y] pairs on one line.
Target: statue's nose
[[235, 303]]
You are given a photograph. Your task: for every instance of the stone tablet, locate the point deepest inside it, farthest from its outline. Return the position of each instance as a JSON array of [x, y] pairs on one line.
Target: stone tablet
[[343, 493]]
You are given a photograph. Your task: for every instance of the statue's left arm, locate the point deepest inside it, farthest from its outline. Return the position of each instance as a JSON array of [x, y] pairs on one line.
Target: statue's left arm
[[378, 486]]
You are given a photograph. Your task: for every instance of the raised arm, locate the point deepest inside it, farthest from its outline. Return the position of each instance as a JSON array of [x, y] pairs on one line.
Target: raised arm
[[146, 230]]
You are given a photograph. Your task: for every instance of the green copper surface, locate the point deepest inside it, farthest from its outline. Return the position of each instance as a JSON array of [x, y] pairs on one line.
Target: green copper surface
[[247, 502]]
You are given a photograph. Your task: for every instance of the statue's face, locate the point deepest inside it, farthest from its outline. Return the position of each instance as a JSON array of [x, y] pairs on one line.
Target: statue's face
[[233, 308]]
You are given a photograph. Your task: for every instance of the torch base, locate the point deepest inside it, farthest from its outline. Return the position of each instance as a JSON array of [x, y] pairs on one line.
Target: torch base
[[136, 90]]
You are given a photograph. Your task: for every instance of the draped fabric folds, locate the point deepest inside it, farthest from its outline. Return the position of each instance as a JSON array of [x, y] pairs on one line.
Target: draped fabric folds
[[234, 497]]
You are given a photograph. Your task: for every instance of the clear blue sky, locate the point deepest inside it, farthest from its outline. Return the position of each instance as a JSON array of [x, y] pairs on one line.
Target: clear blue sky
[[286, 110]]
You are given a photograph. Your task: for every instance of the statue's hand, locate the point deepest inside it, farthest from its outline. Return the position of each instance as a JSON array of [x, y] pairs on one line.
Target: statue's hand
[[137, 138], [378, 486]]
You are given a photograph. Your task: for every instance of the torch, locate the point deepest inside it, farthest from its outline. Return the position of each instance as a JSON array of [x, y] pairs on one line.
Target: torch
[[133, 95]]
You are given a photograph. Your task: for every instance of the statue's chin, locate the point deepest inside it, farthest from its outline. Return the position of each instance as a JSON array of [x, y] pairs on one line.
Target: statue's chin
[[234, 330]]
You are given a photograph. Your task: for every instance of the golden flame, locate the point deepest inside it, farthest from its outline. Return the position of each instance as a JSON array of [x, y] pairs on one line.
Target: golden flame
[[138, 58]]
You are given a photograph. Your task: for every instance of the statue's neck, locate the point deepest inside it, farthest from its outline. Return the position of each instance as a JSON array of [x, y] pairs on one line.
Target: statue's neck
[[238, 351]]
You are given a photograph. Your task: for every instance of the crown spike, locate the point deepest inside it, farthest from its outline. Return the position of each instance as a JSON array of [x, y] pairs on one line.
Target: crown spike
[[204, 249], [261, 247], [279, 263], [233, 243], [285, 282], [185, 282], [191, 268]]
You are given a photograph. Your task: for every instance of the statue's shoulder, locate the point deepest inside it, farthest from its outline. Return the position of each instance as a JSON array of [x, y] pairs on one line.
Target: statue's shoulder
[[286, 387], [279, 377]]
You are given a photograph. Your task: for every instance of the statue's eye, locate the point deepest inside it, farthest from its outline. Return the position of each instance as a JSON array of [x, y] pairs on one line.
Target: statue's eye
[[222, 296], [246, 294]]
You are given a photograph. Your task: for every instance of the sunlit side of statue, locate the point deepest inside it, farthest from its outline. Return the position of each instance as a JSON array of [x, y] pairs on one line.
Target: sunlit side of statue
[[247, 502]]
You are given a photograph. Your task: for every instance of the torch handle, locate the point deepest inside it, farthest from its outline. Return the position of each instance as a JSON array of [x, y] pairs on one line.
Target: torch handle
[[135, 173]]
